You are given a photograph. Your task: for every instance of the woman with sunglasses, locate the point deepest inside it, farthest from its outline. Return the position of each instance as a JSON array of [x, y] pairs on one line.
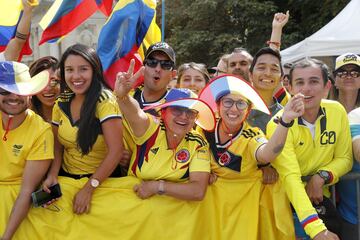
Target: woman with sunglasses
[[168, 155], [237, 150], [193, 76], [43, 102]]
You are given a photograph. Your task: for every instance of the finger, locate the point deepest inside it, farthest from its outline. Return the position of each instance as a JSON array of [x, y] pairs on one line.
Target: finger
[[136, 188], [139, 73], [46, 189], [87, 209], [287, 13], [131, 68]]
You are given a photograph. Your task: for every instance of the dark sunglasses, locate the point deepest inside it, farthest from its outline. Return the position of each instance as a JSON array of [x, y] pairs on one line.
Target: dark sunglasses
[[164, 64], [344, 74], [240, 104], [4, 92], [178, 111]]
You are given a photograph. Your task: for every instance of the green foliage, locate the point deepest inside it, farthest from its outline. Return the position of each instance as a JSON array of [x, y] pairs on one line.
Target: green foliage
[[203, 30]]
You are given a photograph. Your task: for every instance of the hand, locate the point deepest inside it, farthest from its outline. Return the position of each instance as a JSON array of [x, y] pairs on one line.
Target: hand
[[314, 189], [126, 80], [28, 5], [82, 200], [280, 19], [326, 235], [146, 189], [49, 181], [212, 178], [125, 159], [270, 175], [294, 108]]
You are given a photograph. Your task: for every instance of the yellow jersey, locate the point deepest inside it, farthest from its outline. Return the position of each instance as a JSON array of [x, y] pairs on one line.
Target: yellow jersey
[[236, 158], [32, 140], [303, 155], [73, 160], [151, 158]]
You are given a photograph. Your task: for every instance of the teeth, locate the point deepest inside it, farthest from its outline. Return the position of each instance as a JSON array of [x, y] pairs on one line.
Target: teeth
[[49, 95], [267, 80], [181, 123], [77, 83], [13, 103], [307, 97], [232, 116]]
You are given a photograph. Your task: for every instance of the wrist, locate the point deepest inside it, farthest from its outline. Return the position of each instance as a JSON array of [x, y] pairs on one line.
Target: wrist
[[285, 122], [326, 176], [161, 187]]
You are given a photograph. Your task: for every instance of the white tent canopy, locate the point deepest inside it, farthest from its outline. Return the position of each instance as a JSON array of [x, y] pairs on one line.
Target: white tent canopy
[[340, 35]]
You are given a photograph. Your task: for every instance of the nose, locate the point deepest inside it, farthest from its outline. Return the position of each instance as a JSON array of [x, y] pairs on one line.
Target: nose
[[158, 67]]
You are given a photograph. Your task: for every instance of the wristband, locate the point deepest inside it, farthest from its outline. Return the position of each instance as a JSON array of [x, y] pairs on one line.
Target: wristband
[[161, 189], [21, 35], [277, 44], [286, 125]]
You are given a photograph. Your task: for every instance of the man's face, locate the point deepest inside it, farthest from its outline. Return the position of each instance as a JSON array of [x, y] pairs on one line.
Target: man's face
[[309, 81], [348, 78], [266, 73], [156, 78], [239, 64], [13, 104]]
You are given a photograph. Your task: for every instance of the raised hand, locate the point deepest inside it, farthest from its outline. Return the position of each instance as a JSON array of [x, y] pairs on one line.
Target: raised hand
[[280, 19], [294, 108], [126, 80]]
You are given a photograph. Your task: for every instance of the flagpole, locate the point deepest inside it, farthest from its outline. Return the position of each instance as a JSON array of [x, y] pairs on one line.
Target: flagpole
[[162, 20]]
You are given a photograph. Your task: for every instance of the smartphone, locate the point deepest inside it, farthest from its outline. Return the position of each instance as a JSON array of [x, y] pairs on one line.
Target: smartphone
[[41, 197]]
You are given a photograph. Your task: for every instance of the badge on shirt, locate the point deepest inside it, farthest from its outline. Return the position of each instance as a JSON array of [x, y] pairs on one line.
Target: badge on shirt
[[182, 156], [261, 140], [224, 159]]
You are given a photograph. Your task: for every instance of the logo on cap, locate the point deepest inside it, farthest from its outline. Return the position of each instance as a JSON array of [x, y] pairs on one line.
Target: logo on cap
[[349, 58]]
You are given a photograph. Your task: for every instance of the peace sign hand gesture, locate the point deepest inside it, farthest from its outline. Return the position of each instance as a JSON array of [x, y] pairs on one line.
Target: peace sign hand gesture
[[126, 80], [280, 19]]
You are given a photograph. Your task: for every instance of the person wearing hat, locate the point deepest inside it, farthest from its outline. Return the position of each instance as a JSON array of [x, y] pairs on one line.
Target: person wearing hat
[[346, 91], [168, 155], [26, 144], [318, 145], [237, 148]]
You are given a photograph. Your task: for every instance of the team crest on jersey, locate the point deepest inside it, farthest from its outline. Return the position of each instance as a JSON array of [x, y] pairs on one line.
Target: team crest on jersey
[[224, 159], [182, 156], [16, 149]]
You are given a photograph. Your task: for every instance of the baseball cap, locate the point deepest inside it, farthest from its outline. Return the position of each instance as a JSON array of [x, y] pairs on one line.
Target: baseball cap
[[346, 59], [161, 47]]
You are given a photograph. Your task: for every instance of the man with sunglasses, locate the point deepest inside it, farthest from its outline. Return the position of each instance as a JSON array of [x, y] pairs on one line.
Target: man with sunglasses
[[159, 69], [27, 143]]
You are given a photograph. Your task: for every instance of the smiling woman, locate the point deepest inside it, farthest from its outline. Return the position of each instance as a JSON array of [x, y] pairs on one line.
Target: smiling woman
[[43, 102]]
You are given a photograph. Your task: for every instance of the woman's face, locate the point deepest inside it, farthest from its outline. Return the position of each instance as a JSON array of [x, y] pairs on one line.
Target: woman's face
[[179, 120], [78, 74], [348, 78], [193, 80], [48, 96], [233, 109]]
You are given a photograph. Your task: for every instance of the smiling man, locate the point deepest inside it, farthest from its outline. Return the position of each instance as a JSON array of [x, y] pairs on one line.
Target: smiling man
[[318, 145]]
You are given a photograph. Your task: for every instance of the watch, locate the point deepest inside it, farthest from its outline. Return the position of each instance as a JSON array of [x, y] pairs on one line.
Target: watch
[[325, 175], [161, 189], [94, 182], [284, 124]]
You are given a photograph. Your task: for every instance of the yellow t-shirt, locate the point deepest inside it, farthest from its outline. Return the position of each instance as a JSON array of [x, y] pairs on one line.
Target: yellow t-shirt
[[303, 155], [73, 161], [236, 158], [152, 160], [32, 140], [282, 96]]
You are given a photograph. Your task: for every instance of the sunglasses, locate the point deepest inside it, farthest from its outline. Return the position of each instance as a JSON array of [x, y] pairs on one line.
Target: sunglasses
[[53, 83], [4, 92], [164, 64], [344, 74], [240, 104], [178, 111]]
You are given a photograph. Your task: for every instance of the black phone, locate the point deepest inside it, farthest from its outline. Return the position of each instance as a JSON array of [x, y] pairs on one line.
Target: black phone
[[41, 197]]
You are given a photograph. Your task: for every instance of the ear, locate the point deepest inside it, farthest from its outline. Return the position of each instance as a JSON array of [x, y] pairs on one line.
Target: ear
[[173, 73]]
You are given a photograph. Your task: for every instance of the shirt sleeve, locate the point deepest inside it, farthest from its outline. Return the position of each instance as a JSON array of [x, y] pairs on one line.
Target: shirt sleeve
[[354, 121], [257, 141], [55, 119], [288, 168], [43, 147], [107, 107], [153, 126]]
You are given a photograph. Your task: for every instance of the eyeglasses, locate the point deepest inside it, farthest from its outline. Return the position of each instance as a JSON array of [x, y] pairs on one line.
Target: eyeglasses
[[178, 111], [54, 83], [344, 74], [164, 64], [4, 92], [240, 104]]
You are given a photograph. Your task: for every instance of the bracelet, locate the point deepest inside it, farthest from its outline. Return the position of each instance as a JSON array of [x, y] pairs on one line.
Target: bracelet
[[277, 44], [123, 98], [161, 189], [284, 124], [21, 35]]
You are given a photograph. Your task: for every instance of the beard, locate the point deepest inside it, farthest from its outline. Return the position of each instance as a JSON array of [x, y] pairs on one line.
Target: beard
[[241, 73], [20, 109]]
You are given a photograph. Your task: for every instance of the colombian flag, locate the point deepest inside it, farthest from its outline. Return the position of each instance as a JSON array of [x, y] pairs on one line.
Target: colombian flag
[[10, 12], [65, 15], [131, 24]]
